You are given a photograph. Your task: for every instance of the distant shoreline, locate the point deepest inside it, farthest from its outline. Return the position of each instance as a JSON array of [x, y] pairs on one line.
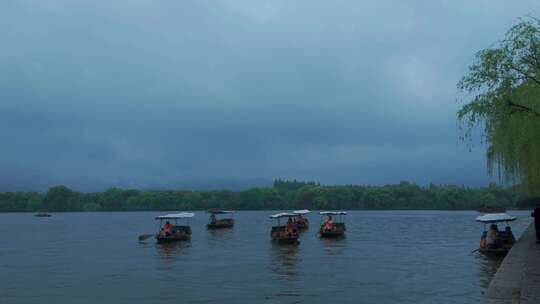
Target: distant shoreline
[[240, 210], [283, 195]]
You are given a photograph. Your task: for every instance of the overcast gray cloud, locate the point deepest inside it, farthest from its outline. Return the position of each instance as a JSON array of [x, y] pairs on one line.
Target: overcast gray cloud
[[140, 93]]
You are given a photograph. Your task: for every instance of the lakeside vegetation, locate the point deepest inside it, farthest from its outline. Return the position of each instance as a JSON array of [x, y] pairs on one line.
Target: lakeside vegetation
[[282, 195], [503, 87]]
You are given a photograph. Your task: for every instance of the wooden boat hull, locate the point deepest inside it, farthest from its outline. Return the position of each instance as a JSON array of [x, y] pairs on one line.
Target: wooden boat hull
[[221, 224], [337, 232], [332, 234], [43, 215], [287, 240], [162, 240], [500, 252], [280, 236], [179, 233]]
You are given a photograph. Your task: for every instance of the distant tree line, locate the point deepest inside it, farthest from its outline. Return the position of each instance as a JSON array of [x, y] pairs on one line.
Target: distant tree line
[[283, 195]]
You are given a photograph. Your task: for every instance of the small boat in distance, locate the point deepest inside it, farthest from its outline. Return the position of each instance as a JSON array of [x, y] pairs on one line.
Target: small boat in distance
[[300, 221], [491, 209], [494, 242], [284, 234], [332, 227], [43, 214], [216, 223], [171, 233]]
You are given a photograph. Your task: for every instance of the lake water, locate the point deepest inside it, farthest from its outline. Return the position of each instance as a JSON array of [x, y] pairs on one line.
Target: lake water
[[387, 257]]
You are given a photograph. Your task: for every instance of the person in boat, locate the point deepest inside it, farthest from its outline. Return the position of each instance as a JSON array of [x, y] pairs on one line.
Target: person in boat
[[536, 215], [212, 218], [289, 229], [300, 219], [328, 224], [507, 236], [483, 242], [167, 228], [492, 237]]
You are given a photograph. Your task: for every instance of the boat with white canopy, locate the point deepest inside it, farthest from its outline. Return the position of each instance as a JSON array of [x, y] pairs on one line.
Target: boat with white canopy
[[333, 224], [494, 242], [300, 220], [286, 233], [171, 233], [495, 218], [219, 223]]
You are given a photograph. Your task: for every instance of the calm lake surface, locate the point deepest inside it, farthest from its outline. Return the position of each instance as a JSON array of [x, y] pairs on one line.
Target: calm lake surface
[[387, 257]]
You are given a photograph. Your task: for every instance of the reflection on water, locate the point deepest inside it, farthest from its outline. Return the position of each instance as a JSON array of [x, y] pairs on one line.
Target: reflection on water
[[334, 247], [285, 259], [488, 268], [220, 234], [169, 252]]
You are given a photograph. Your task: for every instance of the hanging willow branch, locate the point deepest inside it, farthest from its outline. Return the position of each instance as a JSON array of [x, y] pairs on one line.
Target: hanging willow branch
[[504, 82], [515, 107]]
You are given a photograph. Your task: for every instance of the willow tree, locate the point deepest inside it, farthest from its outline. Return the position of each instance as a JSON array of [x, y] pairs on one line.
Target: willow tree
[[503, 87]]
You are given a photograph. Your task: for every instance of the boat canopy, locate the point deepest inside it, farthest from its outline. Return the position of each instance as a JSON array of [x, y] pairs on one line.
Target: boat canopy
[[220, 211], [301, 212], [333, 212], [283, 214], [495, 218], [175, 216]]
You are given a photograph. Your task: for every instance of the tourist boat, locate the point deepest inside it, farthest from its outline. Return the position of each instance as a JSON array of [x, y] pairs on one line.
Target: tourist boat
[[337, 228], [43, 214], [491, 209], [505, 239], [177, 232], [284, 234], [299, 220], [216, 223]]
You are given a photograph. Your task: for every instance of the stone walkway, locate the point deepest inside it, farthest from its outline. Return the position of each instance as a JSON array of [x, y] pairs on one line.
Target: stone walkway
[[518, 277]]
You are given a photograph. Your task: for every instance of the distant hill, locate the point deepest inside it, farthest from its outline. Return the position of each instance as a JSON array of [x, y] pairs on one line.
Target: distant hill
[[206, 184], [30, 182]]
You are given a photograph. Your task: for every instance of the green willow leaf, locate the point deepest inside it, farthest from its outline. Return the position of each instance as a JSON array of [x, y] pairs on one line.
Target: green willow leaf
[[504, 85]]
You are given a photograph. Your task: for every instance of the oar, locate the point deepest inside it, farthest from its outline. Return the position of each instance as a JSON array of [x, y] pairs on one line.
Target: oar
[[475, 250], [145, 236]]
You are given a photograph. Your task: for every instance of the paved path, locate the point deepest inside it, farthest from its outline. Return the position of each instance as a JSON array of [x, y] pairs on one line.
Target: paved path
[[518, 277]]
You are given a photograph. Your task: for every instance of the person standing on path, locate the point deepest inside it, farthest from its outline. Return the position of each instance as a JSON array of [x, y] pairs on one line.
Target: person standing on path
[[536, 215]]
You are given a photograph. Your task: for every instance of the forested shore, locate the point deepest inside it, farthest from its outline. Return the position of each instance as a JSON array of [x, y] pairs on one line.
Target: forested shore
[[282, 195]]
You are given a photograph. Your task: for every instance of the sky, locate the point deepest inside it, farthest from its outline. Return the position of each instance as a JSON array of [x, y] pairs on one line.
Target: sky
[[234, 93]]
